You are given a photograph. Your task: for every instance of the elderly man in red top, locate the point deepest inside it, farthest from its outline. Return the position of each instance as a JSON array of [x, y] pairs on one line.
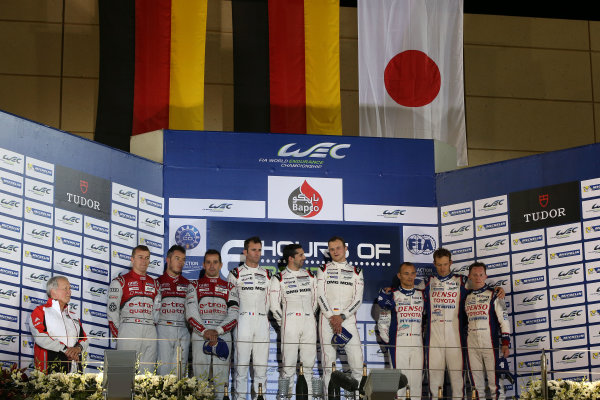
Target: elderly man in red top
[[57, 332]]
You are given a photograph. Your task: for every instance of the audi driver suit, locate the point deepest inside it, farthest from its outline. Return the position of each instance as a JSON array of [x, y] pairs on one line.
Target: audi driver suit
[[488, 323], [402, 329], [445, 331], [171, 327], [250, 287], [209, 306], [133, 302], [53, 332], [339, 291], [293, 304]]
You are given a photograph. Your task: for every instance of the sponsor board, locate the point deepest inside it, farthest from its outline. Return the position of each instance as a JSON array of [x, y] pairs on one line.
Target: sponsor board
[[497, 266], [82, 193], [154, 243], [528, 260], [69, 220], [571, 375], [527, 240], [10, 294], [11, 205], [461, 250], [10, 250], [124, 215], [67, 263], [37, 256], [500, 281], [570, 337], [570, 253], [563, 234], [216, 208], [591, 249], [9, 317], [96, 270], [544, 207], [12, 161], [11, 183], [568, 316], [491, 206], [533, 321], [530, 301], [123, 235], [591, 229], [590, 188], [30, 298], [36, 278], [75, 284], [9, 341], [456, 212], [92, 313], [390, 214], [593, 291], [529, 280], [305, 198], [10, 272], [590, 208], [96, 227], [593, 313], [39, 212], [38, 234], [96, 249], [456, 232], [115, 271], [151, 223], [93, 291], [491, 226], [75, 307], [461, 268], [419, 243], [39, 191], [26, 342], [530, 363], [191, 235], [594, 334], [97, 335], [567, 295], [492, 245], [124, 194], [10, 227], [39, 169], [565, 275], [532, 342], [156, 266], [574, 358], [120, 255], [68, 241], [152, 203]]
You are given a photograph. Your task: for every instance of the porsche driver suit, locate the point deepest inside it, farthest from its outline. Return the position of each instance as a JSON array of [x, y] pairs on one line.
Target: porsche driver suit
[[209, 306], [250, 288], [339, 292], [171, 327], [294, 303], [402, 328], [488, 323], [132, 310]]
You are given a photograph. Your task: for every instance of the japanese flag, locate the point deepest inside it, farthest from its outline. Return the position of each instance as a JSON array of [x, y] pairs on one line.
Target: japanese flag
[[410, 60]]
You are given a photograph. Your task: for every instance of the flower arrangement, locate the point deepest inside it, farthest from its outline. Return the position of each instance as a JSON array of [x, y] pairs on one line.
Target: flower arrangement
[[78, 386], [562, 390]]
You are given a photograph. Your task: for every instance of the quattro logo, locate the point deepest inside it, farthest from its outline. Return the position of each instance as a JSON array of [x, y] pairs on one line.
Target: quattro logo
[[305, 201]]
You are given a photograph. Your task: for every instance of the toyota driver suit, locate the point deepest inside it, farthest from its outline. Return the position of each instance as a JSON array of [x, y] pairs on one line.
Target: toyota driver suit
[[294, 303], [171, 324], [209, 306], [488, 324], [340, 291], [402, 329], [133, 302]]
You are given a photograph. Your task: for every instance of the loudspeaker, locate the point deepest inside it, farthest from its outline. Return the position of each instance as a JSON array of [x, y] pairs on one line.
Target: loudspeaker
[[119, 374], [382, 384]]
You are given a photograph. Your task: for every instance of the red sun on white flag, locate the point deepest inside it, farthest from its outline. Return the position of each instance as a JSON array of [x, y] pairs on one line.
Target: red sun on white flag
[[412, 78]]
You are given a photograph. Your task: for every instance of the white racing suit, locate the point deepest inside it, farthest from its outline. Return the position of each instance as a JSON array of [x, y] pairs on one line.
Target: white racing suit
[[339, 292], [250, 287], [488, 322], [445, 332], [208, 306], [132, 310], [171, 327], [294, 303], [402, 329]]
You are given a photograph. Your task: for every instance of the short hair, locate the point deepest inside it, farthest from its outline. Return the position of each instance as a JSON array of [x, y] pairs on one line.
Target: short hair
[[477, 264], [213, 251], [53, 284], [442, 252], [175, 248], [334, 238], [290, 251], [140, 247], [406, 263], [253, 239]]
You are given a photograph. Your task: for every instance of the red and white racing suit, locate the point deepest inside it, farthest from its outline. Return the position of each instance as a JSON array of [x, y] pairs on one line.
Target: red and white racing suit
[[339, 292], [53, 332], [250, 288], [171, 326], [208, 306], [403, 329], [132, 310], [293, 304], [445, 331], [488, 323]]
